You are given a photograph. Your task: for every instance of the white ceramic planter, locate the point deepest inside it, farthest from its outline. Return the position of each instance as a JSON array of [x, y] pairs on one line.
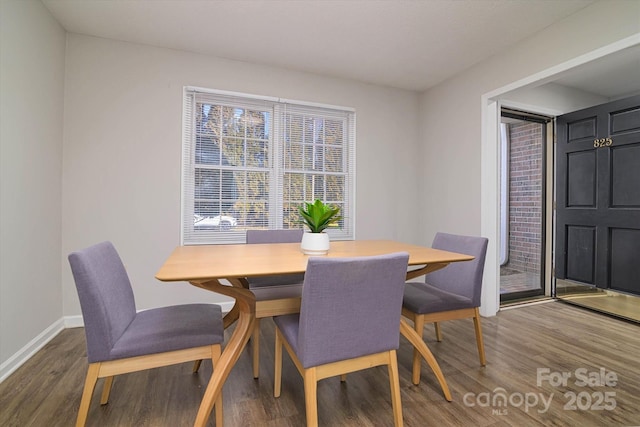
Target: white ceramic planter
[[315, 243]]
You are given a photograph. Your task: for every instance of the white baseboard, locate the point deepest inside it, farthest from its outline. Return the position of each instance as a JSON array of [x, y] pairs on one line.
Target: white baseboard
[[32, 347], [73, 321], [26, 352]]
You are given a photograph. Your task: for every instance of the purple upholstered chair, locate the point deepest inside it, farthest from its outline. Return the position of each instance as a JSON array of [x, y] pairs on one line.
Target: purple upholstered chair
[[349, 320], [120, 340], [271, 288], [450, 293]]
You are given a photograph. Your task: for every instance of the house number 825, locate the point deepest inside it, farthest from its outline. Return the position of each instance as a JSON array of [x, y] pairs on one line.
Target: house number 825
[[602, 142]]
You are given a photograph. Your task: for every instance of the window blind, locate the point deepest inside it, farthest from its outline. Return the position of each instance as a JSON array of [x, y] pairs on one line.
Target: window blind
[[249, 162]]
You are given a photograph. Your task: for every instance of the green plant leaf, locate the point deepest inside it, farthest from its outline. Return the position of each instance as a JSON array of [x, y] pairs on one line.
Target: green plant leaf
[[318, 215]]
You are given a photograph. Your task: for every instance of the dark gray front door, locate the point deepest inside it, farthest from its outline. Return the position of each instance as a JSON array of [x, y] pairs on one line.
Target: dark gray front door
[[598, 196]]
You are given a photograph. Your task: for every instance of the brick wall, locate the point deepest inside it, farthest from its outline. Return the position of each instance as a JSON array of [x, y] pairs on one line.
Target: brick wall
[[525, 196]]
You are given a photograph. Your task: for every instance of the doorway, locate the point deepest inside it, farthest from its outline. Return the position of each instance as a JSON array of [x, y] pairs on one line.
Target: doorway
[[523, 194], [549, 91]]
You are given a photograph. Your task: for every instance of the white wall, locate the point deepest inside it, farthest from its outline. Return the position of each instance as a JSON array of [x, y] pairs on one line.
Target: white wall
[[551, 99], [31, 88], [122, 152], [451, 123]]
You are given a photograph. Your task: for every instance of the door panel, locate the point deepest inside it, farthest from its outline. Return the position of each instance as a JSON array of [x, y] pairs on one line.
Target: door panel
[[581, 260], [580, 129], [598, 196], [625, 176], [625, 120], [581, 177]]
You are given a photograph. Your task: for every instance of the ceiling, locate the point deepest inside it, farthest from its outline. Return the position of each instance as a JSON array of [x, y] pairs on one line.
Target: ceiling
[[407, 44], [613, 76]]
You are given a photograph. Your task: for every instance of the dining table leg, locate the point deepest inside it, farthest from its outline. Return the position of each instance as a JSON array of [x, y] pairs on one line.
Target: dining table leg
[[233, 315], [245, 310], [409, 333], [415, 339]]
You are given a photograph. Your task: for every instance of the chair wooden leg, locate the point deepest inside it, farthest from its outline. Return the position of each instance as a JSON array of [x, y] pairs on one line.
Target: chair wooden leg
[[255, 344], [216, 351], [106, 390], [418, 325], [343, 377], [394, 383], [89, 385], [277, 369], [311, 396], [478, 327], [438, 331], [196, 366]]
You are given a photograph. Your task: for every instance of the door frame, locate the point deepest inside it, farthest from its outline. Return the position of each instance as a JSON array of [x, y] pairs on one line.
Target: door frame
[[490, 155], [547, 206]]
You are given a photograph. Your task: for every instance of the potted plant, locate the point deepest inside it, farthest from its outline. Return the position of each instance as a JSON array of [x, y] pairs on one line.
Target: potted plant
[[317, 216]]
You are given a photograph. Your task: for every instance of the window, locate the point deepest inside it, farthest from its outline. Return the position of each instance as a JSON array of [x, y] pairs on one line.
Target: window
[[249, 162]]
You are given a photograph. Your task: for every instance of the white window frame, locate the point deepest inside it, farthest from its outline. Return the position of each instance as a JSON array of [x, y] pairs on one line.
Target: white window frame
[[278, 109]]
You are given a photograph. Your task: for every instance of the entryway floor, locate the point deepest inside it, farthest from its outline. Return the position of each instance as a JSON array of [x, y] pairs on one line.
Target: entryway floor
[[516, 281], [606, 301]]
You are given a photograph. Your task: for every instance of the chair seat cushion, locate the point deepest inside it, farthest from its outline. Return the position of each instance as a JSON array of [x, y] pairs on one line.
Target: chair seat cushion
[[170, 328], [265, 293], [422, 298], [277, 280], [276, 287]]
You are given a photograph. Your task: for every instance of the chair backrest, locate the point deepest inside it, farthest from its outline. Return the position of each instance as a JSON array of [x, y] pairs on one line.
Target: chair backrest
[[106, 298], [350, 307], [275, 236], [461, 278]]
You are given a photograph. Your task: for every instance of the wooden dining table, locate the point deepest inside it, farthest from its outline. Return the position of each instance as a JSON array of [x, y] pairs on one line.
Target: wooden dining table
[[205, 266]]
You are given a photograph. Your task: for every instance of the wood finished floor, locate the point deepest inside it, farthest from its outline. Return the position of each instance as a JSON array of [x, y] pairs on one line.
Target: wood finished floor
[[560, 337]]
